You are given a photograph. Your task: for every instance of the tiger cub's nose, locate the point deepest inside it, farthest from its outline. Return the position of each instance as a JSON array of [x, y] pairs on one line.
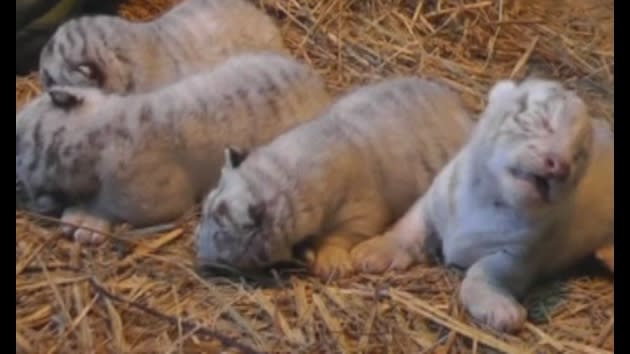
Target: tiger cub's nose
[[557, 167]]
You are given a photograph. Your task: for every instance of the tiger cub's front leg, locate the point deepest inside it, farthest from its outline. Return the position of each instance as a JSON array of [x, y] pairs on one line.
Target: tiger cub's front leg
[[331, 258], [491, 289], [85, 226], [397, 249]]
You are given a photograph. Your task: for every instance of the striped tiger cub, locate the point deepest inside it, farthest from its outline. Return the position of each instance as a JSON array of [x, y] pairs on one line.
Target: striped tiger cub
[[121, 56], [530, 194], [98, 158], [335, 180]]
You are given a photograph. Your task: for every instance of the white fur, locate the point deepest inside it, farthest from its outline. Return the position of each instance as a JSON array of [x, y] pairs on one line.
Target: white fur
[[121, 56], [495, 224], [146, 158]]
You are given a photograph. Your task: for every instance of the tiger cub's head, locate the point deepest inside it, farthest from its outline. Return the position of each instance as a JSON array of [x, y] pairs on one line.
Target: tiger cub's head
[[235, 226], [86, 52], [536, 139], [49, 138]]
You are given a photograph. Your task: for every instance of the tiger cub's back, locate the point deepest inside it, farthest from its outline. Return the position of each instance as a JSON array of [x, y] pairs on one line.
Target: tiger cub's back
[[245, 102], [123, 56], [405, 123], [237, 24], [253, 95]]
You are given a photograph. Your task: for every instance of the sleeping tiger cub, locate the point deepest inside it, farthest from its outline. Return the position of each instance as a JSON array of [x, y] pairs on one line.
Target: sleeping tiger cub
[[530, 194], [335, 180], [120, 56], [146, 158]]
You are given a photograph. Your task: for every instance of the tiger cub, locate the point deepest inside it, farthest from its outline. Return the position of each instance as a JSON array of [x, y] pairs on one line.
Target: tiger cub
[[120, 56], [146, 158], [530, 194], [335, 180]]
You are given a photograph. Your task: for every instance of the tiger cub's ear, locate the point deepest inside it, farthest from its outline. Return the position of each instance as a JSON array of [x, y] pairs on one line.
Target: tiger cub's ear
[[234, 157], [500, 90], [65, 98]]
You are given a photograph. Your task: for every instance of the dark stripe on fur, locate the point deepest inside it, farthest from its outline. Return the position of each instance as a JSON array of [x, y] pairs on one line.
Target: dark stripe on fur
[[37, 140]]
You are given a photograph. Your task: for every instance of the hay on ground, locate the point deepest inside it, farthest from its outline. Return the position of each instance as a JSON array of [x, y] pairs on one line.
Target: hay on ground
[[141, 295]]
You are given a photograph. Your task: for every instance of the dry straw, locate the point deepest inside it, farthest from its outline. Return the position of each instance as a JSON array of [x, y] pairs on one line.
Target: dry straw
[[140, 295]]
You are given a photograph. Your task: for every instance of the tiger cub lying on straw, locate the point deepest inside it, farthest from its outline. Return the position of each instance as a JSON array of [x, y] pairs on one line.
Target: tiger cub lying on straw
[[120, 56], [340, 178], [146, 158], [529, 194]]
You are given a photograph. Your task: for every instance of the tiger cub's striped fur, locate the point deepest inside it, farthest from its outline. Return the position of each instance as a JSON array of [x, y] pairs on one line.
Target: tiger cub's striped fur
[[146, 158], [340, 178], [121, 56], [531, 193]]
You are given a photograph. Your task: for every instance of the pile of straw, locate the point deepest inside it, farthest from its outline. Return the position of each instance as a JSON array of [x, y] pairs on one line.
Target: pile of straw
[[141, 295]]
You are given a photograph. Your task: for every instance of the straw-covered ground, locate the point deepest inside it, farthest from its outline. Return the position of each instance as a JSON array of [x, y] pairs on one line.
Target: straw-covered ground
[[141, 295]]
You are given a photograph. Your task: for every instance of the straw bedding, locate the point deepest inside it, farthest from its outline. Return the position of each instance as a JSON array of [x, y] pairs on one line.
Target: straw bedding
[[139, 294]]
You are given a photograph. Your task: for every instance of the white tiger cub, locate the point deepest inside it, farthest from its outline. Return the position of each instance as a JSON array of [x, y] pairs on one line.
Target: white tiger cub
[[531, 193], [340, 178], [147, 158], [121, 56]]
